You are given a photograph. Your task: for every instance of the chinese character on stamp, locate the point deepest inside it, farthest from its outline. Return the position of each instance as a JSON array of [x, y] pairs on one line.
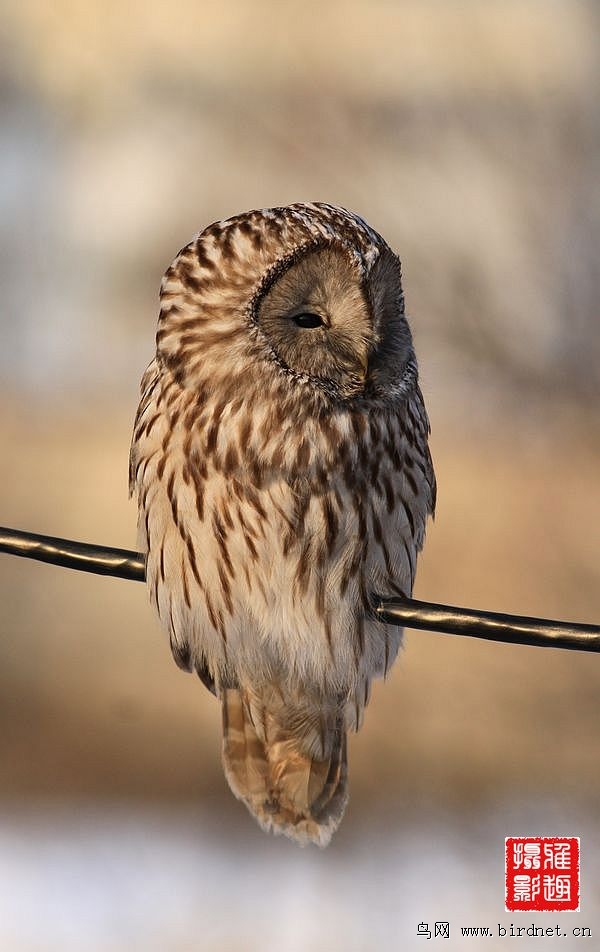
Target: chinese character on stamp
[[542, 873]]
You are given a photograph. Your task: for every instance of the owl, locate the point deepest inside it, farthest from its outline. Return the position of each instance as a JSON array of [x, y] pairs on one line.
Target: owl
[[281, 465]]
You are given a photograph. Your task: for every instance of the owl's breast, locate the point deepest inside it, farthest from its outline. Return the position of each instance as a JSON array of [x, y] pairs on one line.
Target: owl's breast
[[265, 548]]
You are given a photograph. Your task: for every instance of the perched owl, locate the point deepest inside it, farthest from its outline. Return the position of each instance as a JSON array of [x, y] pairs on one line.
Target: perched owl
[[283, 477]]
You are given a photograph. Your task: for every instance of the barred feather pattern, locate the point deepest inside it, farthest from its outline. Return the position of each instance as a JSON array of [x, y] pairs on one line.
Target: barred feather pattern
[[283, 476]]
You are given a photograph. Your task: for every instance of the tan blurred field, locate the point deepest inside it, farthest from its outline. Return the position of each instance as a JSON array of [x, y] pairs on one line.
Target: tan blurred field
[[93, 705]]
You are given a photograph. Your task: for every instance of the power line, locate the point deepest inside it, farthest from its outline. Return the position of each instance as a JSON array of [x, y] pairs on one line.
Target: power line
[[84, 556], [491, 626]]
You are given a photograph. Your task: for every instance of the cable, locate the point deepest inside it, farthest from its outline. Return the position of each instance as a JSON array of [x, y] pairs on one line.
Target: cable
[[83, 556], [491, 626]]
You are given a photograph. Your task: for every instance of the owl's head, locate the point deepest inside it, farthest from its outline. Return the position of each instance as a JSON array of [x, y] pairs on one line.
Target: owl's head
[[307, 292]]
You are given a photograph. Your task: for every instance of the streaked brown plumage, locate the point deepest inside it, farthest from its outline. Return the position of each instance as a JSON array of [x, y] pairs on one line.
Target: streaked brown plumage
[[281, 465]]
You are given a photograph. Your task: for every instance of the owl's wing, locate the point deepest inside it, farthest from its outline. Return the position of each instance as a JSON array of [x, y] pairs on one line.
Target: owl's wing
[[148, 387]]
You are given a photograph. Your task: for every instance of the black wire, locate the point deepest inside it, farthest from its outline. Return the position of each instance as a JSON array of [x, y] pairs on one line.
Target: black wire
[[84, 556], [492, 626]]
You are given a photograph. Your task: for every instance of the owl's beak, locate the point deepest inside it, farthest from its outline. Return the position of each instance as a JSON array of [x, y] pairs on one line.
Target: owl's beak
[[352, 365], [358, 373], [363, 363]]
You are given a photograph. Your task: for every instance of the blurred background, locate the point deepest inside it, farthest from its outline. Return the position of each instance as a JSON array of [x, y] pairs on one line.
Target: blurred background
[[468, 135]]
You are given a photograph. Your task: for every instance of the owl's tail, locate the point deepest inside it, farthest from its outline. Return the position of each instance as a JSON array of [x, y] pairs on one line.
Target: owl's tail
[[287, 761]]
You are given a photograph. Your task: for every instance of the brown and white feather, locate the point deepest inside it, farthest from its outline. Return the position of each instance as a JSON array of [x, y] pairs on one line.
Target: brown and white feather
[[283, 476]]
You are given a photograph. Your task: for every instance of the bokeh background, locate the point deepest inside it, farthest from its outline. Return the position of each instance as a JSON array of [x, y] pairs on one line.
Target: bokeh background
[[468, 134]]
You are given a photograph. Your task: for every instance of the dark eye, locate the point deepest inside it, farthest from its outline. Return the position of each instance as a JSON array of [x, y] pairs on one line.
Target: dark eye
[[306, 319]]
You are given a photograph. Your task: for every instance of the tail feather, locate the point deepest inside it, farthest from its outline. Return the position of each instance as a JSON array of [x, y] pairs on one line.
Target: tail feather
[[333, 796], [287, 762], [245, 765]]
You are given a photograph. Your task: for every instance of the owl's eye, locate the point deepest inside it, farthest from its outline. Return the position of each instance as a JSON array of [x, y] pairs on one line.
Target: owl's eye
[[307, 319]]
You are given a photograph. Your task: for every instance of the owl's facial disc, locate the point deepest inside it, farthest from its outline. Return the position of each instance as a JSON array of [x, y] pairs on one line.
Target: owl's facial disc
[[318, 321]]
